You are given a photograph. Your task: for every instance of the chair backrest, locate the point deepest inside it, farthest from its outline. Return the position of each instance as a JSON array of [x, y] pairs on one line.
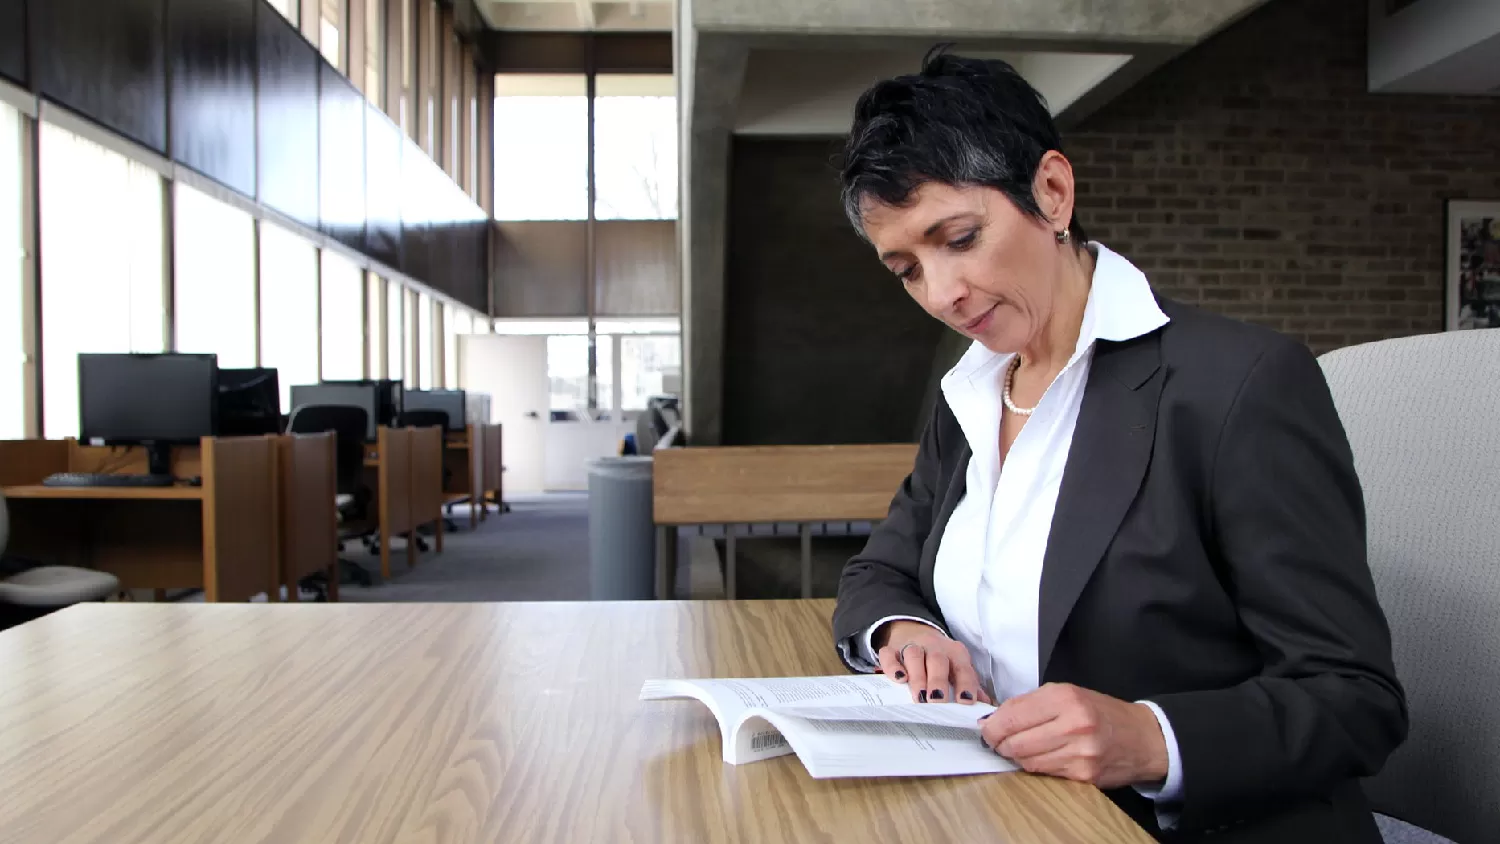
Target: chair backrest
[[349, 425], [1420, 412], [425, 418]]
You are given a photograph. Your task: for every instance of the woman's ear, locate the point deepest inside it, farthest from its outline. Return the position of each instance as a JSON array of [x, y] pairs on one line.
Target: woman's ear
[[1054, 188]]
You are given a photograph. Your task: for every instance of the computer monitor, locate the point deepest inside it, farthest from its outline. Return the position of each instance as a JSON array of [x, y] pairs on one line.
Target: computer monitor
[[153, 400], [477, 407], [389, 398], [249, 402], [451, 402], [364, 395]]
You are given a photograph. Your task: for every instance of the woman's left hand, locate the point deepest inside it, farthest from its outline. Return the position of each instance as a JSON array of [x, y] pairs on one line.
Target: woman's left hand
[[1071, 732]]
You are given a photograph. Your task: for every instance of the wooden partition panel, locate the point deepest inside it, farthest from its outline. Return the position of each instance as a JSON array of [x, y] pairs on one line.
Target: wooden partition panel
[[477, 452], [494, 464], [239, 520], [395, 481], [778, 484], [427, 478], [307, 483], [29, 461]]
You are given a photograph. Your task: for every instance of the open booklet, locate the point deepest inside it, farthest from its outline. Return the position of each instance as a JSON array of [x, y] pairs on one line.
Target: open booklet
[[848, 726]]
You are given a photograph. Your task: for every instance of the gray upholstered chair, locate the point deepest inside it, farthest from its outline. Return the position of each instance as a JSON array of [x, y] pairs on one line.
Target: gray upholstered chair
[[1422, 415], [38, 590]]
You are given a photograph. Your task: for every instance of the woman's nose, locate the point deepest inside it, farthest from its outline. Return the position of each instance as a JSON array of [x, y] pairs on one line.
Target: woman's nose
[[945, 292]]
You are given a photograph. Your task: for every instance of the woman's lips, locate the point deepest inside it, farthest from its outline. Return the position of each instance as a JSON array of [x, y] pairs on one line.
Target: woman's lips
[[981, 322]]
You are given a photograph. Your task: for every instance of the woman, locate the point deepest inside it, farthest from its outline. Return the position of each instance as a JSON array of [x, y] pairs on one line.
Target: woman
[[1135, 524]]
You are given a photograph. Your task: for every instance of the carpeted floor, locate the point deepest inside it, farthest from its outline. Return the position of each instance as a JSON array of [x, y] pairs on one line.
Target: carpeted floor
[[537, 552], [540, 552]]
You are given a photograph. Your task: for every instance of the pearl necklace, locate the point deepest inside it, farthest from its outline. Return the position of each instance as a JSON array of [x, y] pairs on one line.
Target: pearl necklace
[[1010, 375]]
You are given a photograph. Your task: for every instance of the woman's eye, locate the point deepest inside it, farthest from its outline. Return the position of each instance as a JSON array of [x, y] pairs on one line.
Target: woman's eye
[[909, 274], [964, 242]]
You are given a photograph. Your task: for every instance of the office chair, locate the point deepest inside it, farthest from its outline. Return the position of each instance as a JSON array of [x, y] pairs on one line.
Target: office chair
[[29, 591], [350, 426], [430, 419], [1430, 485]]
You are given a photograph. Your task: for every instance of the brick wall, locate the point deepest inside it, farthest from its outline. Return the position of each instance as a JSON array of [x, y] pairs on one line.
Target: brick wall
[[1256, 176]]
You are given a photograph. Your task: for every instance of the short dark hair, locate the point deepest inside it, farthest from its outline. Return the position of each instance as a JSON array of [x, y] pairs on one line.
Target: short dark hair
[[959, 121]]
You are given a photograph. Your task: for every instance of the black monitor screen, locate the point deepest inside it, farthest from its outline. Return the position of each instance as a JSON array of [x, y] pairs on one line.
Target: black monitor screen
[[354, 394], [448, 401], [129, 399], [249, 402]]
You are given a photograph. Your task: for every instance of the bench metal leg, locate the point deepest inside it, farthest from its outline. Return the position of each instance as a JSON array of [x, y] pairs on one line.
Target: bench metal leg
[[806, 560], [729, 563], [666, 562]]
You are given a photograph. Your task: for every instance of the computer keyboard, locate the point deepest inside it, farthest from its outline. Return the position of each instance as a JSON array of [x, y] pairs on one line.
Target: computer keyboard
[[93, 479]]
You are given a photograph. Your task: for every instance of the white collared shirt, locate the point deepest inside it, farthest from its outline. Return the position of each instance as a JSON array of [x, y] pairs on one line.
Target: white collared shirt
[[988, 572]]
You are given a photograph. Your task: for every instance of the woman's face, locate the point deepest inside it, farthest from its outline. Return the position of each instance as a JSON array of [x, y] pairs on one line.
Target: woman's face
[[972, 259]]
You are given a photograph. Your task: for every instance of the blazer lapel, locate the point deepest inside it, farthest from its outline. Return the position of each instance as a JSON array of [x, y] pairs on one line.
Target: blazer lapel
[[1106, 463], [957, 485]]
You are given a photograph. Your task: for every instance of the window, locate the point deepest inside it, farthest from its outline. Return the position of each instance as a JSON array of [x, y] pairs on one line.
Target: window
[[450, 347], [375, 51], [409, 300], [650, 365], [289, 9], [635, 148], [471, 143], [568, 372], [214, 269], [375, 324], [12, 263], [427, 54], [425, 348], [604, 367], [331, 42], [102, 255], [343, 319], [541, 147], [395, 324], [453, 82], [288, 309], [406, 113]]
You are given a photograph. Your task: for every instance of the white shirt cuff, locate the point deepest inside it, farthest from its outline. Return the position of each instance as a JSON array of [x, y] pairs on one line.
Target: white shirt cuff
[[1169, 795], [859, 651]]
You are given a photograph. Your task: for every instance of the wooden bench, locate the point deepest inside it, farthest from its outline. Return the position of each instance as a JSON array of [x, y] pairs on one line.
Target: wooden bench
[[769, 485]]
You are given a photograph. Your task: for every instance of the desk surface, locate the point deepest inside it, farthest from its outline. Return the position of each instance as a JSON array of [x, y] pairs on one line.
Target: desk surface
[[447, 723], [133, 493]]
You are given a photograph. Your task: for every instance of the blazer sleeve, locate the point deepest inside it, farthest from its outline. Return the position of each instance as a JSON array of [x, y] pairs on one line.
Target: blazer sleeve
[[883, 579], [1287, 511]]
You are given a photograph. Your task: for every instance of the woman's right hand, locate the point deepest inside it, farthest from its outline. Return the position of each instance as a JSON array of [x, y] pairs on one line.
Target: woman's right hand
[[931, 664]]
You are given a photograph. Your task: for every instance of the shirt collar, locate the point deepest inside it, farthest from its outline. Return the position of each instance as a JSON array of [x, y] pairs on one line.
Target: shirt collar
[[1120, 307]]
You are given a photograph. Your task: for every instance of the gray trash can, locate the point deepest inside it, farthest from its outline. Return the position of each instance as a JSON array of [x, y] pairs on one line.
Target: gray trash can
[[622, 536]]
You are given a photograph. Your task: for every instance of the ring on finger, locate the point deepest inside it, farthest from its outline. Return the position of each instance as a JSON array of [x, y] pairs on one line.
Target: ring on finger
[[901, 654]]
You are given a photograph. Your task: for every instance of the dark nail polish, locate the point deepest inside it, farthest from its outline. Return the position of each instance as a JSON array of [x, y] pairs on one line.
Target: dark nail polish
[[922, 696], [900, 675], [986, 715], [966, 695], [937, 694]]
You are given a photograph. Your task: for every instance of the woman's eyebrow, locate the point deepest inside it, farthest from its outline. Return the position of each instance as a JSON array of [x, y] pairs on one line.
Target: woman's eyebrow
[[886, 256], [940, 223]]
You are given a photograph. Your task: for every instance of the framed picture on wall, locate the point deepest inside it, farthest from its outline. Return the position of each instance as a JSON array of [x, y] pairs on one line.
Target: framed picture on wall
[[1473, 267]]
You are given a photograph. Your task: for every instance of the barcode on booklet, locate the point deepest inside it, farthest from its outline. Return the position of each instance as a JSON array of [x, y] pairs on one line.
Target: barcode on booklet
[[767, 740]]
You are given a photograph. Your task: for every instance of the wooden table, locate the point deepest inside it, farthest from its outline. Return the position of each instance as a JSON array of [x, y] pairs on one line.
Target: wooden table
[[447, 723]]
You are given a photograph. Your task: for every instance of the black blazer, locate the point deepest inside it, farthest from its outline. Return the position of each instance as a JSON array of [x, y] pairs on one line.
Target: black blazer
[[1207, 553]]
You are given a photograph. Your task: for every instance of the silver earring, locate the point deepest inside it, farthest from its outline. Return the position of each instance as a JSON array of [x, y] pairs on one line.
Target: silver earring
[[1063, 236]]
